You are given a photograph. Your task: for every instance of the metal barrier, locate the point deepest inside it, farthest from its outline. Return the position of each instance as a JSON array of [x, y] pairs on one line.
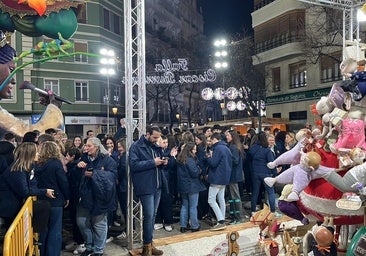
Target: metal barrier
[[19, 238]]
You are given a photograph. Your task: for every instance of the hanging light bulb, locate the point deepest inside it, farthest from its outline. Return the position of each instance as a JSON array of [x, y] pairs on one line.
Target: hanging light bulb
[[231, 105], [232, 93]]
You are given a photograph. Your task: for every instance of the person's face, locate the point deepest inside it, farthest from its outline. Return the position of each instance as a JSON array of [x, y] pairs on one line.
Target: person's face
[[194, 150], [288, 138], [77, 142], [5, 70], [59, 135], [90, 135], [163, 143], [209, 142], [154, 137], [271, 141], [69, 158], [120, 148], [109, 144], [229, 138], [197, 141], [208, 132], [91, 149]]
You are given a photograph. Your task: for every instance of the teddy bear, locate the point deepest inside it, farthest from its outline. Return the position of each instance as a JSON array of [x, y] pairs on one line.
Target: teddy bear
[[301, 174]]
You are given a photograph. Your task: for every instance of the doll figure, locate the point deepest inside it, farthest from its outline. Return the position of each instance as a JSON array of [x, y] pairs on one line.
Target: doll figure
[[356, 86], [322, 238], [353, 181], [301, 174]]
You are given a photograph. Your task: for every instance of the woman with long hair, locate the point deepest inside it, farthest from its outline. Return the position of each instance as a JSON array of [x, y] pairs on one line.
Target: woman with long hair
[[189, 185], [51, 174], [19, 182], [260, 155], [237, 152], [77, 142]]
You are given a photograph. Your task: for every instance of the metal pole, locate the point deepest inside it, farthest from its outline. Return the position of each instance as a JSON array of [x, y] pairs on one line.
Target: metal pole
[[107, 104]]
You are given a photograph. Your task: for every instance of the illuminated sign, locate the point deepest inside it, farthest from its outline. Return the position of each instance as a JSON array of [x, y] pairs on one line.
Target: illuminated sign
[[170, 72]]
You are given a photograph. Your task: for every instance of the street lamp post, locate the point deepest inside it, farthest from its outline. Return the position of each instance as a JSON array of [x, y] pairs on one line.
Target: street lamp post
[[108, 62], [222, 64]]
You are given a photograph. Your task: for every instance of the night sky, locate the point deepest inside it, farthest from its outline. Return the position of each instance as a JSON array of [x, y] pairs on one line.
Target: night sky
[[226, 17]]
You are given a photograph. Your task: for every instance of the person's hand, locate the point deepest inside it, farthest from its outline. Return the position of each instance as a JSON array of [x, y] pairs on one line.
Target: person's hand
[[174, 152], [50, 193], [81, 164], [159, 161]]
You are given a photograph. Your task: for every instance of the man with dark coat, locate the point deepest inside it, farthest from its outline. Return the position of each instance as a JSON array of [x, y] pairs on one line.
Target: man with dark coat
[[146, 162]]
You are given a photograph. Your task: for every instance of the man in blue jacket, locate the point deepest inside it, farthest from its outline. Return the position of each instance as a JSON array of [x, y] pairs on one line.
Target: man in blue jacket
[[220, 167], [146, 161]]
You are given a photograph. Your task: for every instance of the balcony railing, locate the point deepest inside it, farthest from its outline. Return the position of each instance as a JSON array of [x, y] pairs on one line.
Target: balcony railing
[[277, 41]]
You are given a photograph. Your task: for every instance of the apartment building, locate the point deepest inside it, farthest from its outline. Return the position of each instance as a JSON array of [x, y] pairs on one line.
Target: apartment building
[[296, 75]]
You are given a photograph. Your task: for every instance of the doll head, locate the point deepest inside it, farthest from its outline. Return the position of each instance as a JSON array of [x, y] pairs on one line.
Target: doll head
[[357, 155], [311, 160], [323, 236]]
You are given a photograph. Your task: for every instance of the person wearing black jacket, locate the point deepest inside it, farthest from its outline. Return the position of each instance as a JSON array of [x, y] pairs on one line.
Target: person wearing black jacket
[[51, 174]]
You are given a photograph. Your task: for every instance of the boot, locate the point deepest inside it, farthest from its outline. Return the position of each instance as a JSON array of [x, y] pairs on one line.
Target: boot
[[147, 250], [156, 251]]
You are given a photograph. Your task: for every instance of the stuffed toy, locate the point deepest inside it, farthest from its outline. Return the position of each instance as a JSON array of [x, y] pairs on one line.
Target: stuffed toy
[[356, 84], [301, 174], [290, 209]]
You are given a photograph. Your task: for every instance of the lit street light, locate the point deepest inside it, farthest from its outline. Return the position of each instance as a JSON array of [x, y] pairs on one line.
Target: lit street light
[[221, 55], [108, 62]]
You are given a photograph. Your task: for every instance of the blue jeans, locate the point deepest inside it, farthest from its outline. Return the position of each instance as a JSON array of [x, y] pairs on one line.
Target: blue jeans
[[150, 205], [93, 228], [257, 180], [189, 201], [219, 192], [52, 239]]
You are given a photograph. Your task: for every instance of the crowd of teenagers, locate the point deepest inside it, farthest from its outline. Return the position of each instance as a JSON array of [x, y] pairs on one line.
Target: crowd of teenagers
[[86, 178]]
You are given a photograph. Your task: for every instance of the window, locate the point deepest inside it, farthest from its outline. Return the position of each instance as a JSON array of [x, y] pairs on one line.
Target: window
[[52, 85], [329, 65], [82, 14], [80, 47], [276, 115], [298, 74], [276, 79], [116, 24], [81, 91], [298, 115], [107, 24]]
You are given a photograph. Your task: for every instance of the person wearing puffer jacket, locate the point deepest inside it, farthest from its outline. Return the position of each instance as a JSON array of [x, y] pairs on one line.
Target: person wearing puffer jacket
[[220, 163]]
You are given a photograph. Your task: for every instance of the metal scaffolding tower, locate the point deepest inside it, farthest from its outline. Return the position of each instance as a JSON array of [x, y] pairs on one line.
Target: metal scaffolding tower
[[350, 24], [135, 104]]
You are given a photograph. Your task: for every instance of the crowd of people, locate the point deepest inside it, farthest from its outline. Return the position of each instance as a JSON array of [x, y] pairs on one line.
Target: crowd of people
[[202, 173]]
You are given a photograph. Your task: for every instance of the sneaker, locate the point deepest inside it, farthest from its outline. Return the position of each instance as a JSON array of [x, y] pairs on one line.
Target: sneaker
[[109, 239], [116, 224], [79, 249], [168, 228], [87, 253], [158, 226], [218, 227], [123, 235], [71, 246]]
